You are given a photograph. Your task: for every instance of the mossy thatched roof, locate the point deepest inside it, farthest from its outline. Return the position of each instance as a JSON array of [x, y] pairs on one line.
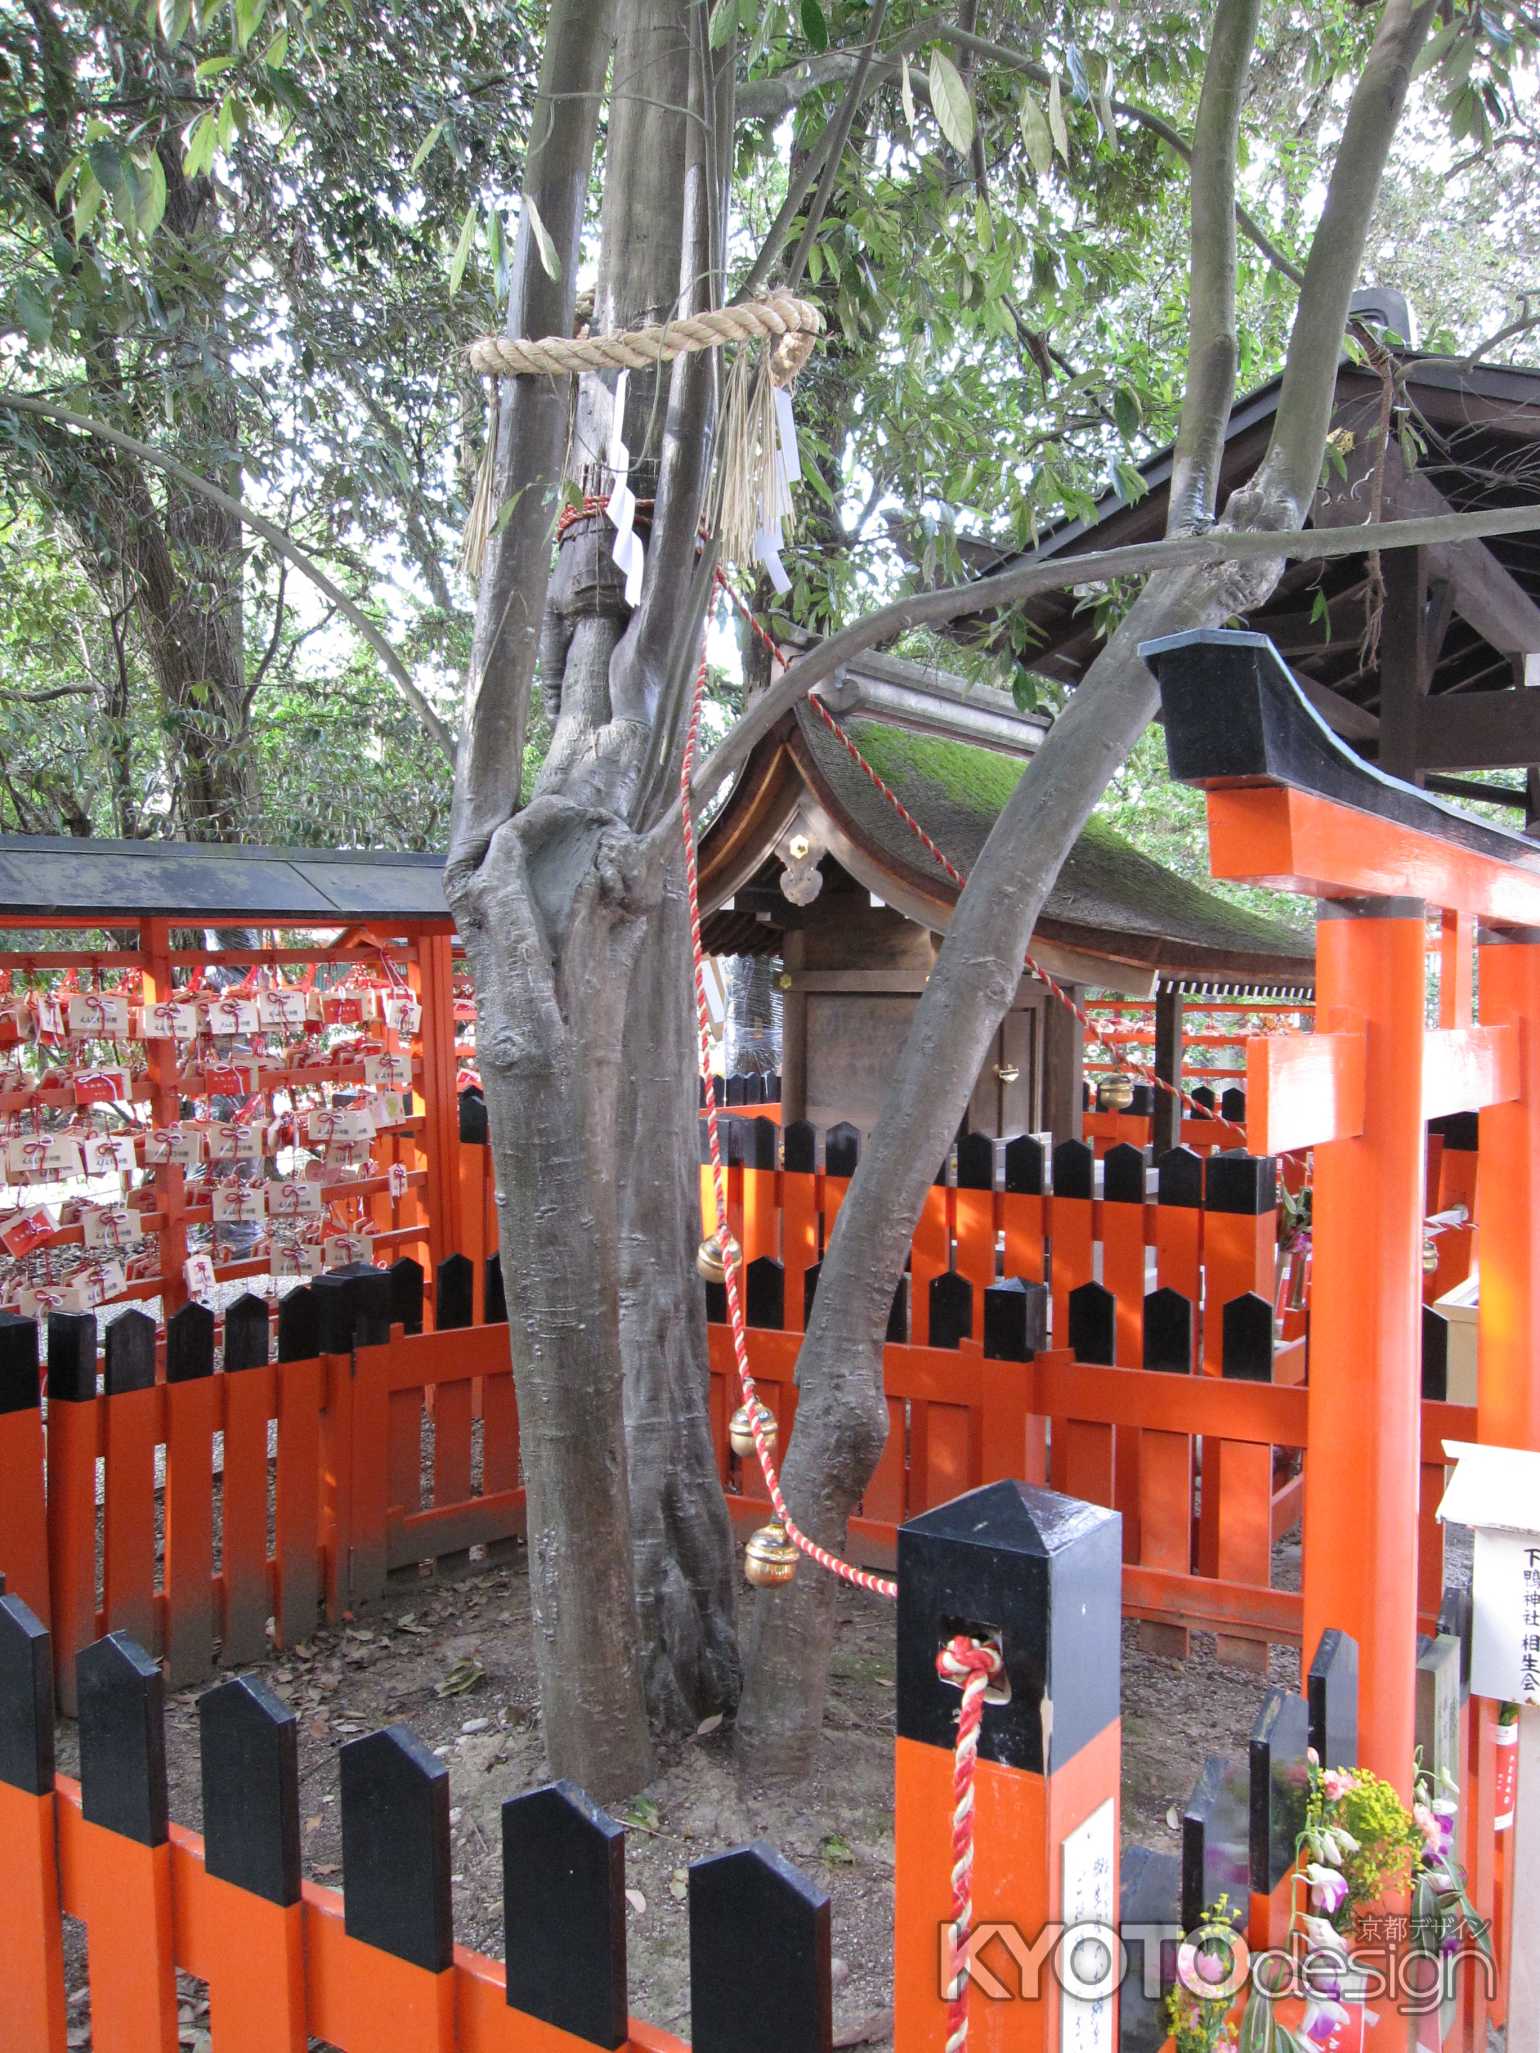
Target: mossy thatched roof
[[1106, 886]]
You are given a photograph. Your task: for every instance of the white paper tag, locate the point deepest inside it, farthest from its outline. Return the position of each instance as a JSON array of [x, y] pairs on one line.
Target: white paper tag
[[628, 552], [198, 1273], [294, 1200]]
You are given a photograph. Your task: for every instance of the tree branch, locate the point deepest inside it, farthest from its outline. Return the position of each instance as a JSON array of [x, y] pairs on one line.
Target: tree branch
[[270, 532], [529, 427], [1291, 468], [772, 98], [1212, 350], [1028, 579], [841, 124]]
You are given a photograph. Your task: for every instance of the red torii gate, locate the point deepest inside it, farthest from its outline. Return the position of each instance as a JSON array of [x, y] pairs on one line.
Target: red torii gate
[[1288, 806]]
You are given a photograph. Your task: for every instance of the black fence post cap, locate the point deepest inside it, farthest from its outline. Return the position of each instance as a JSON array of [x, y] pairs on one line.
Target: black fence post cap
[[1043, 1571]]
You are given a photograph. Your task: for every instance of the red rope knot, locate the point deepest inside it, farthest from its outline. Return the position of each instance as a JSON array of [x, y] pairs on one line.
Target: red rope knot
[[963, 1658]]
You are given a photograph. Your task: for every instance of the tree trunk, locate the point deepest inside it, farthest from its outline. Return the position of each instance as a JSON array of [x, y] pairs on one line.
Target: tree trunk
[[585, 1033], [841, 1417], [685, 1559]]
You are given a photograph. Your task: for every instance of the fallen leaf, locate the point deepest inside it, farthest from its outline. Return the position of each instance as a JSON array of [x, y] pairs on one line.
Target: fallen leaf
[[1174, 1819], [462, 1677], [836, 1849], [327, 1868], [643, 1814], [637, 1901], [708, 1725]]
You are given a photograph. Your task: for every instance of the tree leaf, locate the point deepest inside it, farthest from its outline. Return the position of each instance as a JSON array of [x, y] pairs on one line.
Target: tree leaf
[[248, 19], [1126, 411], [1437, 47], [906, 93], [150, 209], [32, 313], [1056, 127], [425, 147], [724, 21], [814, 27], [211, 67], [1035, 133], [462, 253], [1104, 113], [88, 199], [175, 19], [550, 262], [106, 160], [949, 98]]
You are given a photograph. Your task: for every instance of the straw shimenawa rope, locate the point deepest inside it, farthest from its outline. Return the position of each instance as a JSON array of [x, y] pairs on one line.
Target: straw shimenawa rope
[[793, 323], [740, 495]]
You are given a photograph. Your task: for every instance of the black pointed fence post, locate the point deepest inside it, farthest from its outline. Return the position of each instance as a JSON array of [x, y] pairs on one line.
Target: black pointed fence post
[[564, 1913], [191, 1414], [73, 1433], [1165, 1465], [127, 1885], [251, 1840], [33, 1994], [23, 1502], [1216, 1840], [132, 1406], [395, 1848], [759, 1956], [1279, 1786], [1331, 1690], [1040, 1576], [452, 1297]]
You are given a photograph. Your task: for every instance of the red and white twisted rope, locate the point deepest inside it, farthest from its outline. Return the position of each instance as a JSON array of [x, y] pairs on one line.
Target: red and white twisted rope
[[879, 1586], [973, 1665]]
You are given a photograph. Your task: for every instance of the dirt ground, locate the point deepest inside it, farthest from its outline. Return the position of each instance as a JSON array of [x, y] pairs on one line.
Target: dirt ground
[[451, 1660]]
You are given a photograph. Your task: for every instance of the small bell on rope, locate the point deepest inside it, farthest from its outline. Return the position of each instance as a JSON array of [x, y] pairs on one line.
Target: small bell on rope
[[714, 1254], [740, 1428], [1115, 1093], [1007, 1072], [769, 1559]]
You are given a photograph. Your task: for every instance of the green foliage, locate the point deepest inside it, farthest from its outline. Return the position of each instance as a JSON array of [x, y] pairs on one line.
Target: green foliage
[[1358, 1823], [255, 234]]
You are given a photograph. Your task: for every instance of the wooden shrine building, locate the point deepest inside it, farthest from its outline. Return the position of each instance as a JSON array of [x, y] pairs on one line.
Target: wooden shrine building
[[803, 823], [1424, 666]]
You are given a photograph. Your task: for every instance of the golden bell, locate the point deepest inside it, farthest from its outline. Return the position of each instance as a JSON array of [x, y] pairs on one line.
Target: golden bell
[[1007, 1072], [740, 1429], [769, 1559], [1115, 1093], [713, 1254], [1429, 1257]]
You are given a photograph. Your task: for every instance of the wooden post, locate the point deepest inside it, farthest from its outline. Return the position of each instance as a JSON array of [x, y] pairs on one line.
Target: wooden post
[[1361, 1489], [1166, 1131], [1042, 1572], [1403, 666], [33, 1992], [1508, 1195], [1063, 1071]]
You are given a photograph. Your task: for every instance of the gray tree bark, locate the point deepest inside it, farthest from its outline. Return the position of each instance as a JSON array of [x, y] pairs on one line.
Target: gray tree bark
[[573, 918]]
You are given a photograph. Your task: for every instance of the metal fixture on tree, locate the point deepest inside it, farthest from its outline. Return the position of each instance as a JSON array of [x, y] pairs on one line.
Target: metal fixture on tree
[[740, 1429], [769, 1559], [714, 1254]]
